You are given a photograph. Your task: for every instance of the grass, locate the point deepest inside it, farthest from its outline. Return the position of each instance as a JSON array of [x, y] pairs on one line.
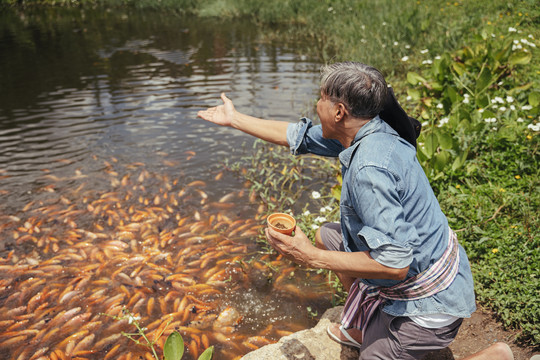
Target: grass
[[467, 69]]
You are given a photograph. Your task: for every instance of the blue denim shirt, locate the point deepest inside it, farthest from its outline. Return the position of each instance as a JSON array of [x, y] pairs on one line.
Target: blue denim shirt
[[389, 209]]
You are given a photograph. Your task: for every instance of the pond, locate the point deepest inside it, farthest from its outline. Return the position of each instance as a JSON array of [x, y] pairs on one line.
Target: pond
[[113, 193]]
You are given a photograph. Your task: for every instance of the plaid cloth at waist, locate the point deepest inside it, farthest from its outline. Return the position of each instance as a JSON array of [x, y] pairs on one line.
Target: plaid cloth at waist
[[363, 299]]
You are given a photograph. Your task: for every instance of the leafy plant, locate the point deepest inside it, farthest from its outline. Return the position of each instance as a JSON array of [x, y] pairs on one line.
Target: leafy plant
[[461, 97], [173, 348], [284, 182]]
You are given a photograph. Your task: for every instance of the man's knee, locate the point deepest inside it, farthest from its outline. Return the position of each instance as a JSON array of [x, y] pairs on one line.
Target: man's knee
[[501, 351], [328, 237], [318, 240]]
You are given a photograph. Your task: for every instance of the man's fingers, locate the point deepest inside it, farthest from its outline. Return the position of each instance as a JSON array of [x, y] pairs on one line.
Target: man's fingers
[[205, 114], [224, 98], [276, 234]]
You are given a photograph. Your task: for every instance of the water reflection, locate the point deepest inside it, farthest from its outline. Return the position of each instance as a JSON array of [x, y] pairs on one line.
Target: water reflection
[[101, 164], [76, 83]]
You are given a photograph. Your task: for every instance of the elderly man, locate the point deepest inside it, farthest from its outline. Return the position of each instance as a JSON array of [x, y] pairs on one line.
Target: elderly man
[[409, 281]]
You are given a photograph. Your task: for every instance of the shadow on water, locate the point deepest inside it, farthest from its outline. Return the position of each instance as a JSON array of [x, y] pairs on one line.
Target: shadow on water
[[114, 194]]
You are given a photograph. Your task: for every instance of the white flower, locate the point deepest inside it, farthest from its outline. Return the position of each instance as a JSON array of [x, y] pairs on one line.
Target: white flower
[[425, 123], [490, 120], [493, 35], [315, 194], [320, 219], [425, 51], [520, 120], [408, 98], [443, 121], [407, 46], [427, 62], [511, 29], [531, 36], [480, 110], [517, 47], [437, 57], [132, 318], [330, 9], [502, 108], [512, 107], [509, 99], [306, 213], [314, 226], [527, 42], [328, 207], [466, 99], [494, 128], [526, 107], [533, 127], [497, 99], [322, 210], [383, 23], [405, 58], [396, 43], [440, 106]]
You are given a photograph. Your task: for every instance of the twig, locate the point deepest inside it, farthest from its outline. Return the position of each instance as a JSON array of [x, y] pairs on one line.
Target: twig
[[495, 213]]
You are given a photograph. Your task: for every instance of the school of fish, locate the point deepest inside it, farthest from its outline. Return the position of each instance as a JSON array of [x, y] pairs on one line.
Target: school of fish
[[77, 256]]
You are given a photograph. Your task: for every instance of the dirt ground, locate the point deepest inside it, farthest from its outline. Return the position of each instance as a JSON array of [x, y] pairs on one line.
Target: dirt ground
[[477, 333]]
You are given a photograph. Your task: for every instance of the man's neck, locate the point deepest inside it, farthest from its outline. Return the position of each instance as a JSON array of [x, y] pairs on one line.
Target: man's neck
[[348, 131]]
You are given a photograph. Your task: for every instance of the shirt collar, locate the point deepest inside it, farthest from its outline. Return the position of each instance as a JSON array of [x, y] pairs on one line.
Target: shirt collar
[[374, 125]]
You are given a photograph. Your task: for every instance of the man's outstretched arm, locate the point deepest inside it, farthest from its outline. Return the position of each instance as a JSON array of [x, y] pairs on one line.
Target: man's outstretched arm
[[273, 131]]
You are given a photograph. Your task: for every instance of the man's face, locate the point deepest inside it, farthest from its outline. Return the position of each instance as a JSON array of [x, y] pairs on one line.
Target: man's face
[[325, 111]]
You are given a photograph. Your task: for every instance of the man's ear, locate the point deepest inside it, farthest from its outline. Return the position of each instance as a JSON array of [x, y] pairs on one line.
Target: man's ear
[[340, 112]]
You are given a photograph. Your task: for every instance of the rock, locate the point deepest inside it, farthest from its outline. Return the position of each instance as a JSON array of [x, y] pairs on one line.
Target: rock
[[310, 344]]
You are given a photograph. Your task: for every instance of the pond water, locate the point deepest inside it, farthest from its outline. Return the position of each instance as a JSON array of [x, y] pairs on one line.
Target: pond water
[[113, 194]]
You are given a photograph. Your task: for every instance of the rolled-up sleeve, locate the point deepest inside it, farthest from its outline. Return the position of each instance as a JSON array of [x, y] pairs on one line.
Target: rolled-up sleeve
[[385, 229], [304, 137]]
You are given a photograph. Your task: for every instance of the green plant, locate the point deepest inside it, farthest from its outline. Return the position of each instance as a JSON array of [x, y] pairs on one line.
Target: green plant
[[284, 182], [174, 345], [468, 95], [174, 348]]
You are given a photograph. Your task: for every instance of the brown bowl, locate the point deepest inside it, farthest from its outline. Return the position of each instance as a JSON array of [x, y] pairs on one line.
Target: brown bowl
[[283, 223]]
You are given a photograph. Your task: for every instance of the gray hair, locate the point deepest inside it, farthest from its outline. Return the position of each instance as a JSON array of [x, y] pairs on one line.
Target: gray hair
[[359, 87]]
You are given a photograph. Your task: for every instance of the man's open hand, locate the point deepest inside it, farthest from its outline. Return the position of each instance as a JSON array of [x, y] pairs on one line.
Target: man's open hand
[[221, 114]]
